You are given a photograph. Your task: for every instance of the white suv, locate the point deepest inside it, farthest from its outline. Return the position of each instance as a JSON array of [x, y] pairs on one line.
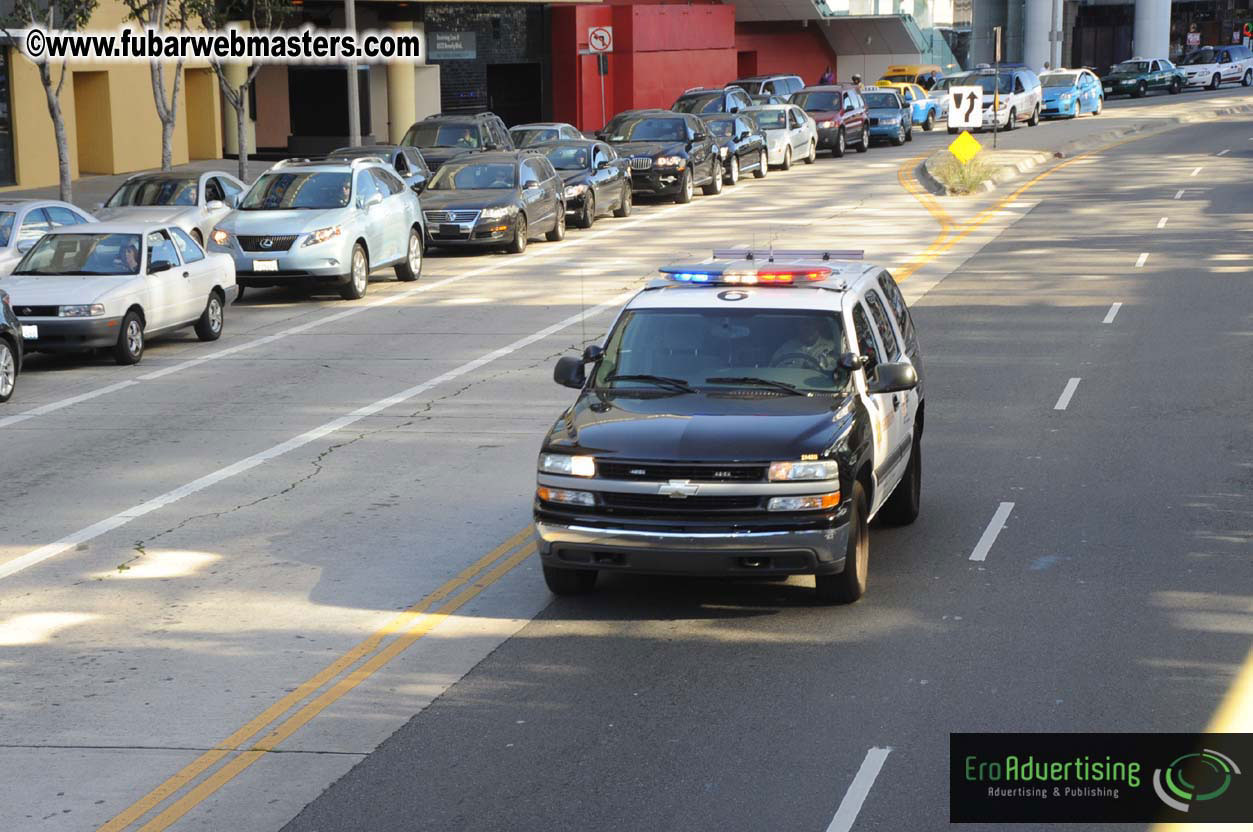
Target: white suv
[[1213, 66]]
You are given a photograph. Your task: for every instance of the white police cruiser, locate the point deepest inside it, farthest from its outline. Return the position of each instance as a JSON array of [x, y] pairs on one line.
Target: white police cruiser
[[745, 416]]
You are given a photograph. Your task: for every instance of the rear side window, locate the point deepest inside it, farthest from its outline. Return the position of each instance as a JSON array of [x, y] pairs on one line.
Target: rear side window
[[882, 324], [896, 302], [161, 249], [865, 338], [186, 246], [62, 216]]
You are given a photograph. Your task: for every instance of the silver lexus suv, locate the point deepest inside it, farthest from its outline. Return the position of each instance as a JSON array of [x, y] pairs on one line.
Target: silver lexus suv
[[324, 222]]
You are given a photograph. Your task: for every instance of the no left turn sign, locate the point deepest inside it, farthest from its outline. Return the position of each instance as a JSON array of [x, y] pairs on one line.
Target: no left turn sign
[[600, 39]]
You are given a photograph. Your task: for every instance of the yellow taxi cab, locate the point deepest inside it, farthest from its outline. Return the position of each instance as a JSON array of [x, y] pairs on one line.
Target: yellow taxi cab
[[925, 111], [911, 73]]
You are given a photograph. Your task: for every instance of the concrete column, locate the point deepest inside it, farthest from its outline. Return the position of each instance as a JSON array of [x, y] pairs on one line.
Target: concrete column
[[401, 91], [1036, 48], [1152, 29], [237, 74]]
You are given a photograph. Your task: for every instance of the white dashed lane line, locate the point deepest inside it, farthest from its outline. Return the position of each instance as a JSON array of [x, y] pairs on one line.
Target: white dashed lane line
[[1195, 171], [1112, 313], [1142, 259], [1179, 194], [991, 532], [850, 806], [1162, 222], [1223, 152], [1063, 401]]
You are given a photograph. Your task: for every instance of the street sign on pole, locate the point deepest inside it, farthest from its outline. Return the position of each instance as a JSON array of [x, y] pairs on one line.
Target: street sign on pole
[[600, 39], [965, 108]]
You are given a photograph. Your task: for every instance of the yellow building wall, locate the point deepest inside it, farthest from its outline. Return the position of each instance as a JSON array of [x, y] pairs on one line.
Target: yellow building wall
[[94, 118], [202, 114], [34, 144]]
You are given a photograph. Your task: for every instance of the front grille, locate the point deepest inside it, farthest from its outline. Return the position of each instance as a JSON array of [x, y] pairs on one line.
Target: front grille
[[695, 473], [37, 311], [451, 216], [273, 242], [873, 122], [641, 164], [615, 503]]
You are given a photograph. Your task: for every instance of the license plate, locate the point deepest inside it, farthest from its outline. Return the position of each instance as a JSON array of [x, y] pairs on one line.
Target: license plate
[[1109, 89], [30, 331], [449, 229], [265, 265]]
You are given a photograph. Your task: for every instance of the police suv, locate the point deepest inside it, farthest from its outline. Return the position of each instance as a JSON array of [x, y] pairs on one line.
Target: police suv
[[749, 415]]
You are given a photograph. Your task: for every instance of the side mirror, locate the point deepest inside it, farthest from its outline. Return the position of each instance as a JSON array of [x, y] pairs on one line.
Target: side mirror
[[851, 361], [742, 136], [491, 146], [602, 164], [232, 200], [373, 200], [699, 137], [159, 266], [893, 377], [419, 184], [26, 245], [569, 372], [215, 205], [592, 353], [530, 185]]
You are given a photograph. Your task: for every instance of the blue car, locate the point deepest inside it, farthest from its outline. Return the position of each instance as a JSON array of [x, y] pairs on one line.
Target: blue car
[[890, 117], [1069, 93]]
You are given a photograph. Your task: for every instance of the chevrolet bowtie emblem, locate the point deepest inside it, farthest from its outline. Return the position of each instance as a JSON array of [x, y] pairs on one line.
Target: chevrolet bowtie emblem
[[678, 489]]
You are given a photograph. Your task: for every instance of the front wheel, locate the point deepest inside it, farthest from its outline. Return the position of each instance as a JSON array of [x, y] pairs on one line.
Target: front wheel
[[1247, 80], [813, 153], [1035, 115], [624, 205], [763, 166], [558, 232], [359, 275], [929, 124], [864, 145], [1214, 83], [209, 327], [849, 585], [410, 268], [587, 217], [733, 172], [715, 179], [684, 195], [8, 370], [130, 341], [899, 138], [570, 581], [1176, 87], [840, 147], [1142, 89], [1100, 105], [520, 238], [787, 159], [1012, 121]]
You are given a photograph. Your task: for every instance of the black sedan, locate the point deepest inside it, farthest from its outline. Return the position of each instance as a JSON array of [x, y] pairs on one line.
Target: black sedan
[[670, 153], [597, 179], [498, 199], [10, 347], [741, 146], [407, 161]]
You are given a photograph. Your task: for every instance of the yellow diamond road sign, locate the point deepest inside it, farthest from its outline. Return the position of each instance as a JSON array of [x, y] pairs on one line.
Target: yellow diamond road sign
[[965, 147]]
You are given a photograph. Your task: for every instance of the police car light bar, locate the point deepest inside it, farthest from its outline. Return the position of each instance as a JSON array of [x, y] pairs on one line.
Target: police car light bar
[[714, 274], [772, 254]]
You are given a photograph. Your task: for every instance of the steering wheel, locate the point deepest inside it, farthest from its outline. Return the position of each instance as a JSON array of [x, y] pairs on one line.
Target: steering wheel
[[805, 360]]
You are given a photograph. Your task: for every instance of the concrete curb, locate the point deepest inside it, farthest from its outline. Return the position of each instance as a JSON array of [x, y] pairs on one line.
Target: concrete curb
[[1007, 173]]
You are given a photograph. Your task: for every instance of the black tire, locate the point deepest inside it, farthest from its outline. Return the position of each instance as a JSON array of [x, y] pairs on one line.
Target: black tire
[[1214, 83], [358, 275], [849, 585], [929, 124], [952, 131], [410, 268], [8, 370], [1142, 89], [763, 166], [587, 217], [212, 319], [1035, 116], [684, 196], [558, 232], [570, 581], [624, 205], [1012, 121], [1176, 87], [520, 238], [903, 506], [715, 179], [899, 138], [787, 158], [239, 292], [840, 146], [733, 171], [813, 153], [1100, 105], [864, 145], [1246, 81], [129, 348]]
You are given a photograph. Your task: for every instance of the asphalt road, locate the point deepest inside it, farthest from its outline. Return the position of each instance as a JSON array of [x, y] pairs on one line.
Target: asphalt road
[[190, 542]]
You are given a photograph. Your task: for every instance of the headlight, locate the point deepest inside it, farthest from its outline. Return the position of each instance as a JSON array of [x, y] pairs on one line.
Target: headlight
[[564, 495], [722, 151], [891, 119], [496, 213], [571, 466], [816, 502], [220, 237], [670, 162], [573, 191], [826, 469], [826, 124], [322, 235], [1067, 98], [90, 311]]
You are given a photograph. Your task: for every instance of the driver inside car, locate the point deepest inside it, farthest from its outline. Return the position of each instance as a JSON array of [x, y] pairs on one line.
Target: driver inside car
[[810, 348]]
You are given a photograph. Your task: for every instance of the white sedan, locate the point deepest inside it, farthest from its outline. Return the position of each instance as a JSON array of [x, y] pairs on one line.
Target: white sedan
[[24, 221], [790, 133], [195, 203], [113, 285]]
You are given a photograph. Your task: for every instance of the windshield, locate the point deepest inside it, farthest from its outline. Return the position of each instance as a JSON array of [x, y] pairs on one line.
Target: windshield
[[82, 254], [468, 176], [443, 135], [6, 227], [647, 129], [771, 119], [530, 136], [795, 347], [750, 87], [162, 191], [988, 83], [1131, 67], [812, 102], [569, 158], [899, 79], [1059, 79], [1201, 56], [722, 128], [298, 189], [876, 100], [707, 103], [944, 83]]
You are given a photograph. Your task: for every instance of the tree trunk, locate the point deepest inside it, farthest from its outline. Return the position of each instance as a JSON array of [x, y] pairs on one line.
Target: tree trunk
[[241, 130], [58, 130], [167, 112]]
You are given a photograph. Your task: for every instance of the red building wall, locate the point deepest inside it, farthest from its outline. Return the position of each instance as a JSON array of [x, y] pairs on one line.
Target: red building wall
[[786, 47]]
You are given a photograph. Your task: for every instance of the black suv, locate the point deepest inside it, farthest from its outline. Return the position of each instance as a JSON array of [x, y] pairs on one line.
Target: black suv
[[670, 153], [706, 100], [445, 135]]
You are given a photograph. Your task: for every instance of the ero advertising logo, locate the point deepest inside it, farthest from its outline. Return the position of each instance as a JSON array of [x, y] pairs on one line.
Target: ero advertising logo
[[1194, 777]]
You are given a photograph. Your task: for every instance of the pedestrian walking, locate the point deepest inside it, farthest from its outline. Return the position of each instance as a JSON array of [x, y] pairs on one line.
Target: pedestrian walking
[[828, 77]]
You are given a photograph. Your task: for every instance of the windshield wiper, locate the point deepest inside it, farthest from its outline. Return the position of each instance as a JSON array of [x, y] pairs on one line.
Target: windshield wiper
[[758, 382], [661, 381]]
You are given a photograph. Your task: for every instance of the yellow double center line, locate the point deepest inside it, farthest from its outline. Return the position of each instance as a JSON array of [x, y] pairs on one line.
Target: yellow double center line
[[403, 630]]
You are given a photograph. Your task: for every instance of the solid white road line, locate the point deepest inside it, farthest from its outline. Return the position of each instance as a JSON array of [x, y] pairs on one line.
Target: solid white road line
[[1068, 391], [57, 405], [123, 517], [990, 533], [1179, 194], [1142, 259], [1112, 313], [858, 790], [1223, 152], [1162, 222], [1195, 171]]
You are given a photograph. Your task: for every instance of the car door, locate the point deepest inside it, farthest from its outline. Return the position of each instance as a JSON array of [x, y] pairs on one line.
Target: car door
[[369, 201], [396, 212], [199, 273], [603, 177], [538, 211], [852, 117], [700, 147], [878, 405], [904, 405], [170, 298]]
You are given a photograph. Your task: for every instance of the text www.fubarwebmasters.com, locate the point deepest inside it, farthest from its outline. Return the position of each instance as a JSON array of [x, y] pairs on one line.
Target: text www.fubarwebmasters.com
[[305, 45]]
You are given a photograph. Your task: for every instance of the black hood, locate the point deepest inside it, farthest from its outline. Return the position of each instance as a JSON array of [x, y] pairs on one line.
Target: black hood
[[700, 427], [653, 149], [575, 177], [436, 156], [472, 200]]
